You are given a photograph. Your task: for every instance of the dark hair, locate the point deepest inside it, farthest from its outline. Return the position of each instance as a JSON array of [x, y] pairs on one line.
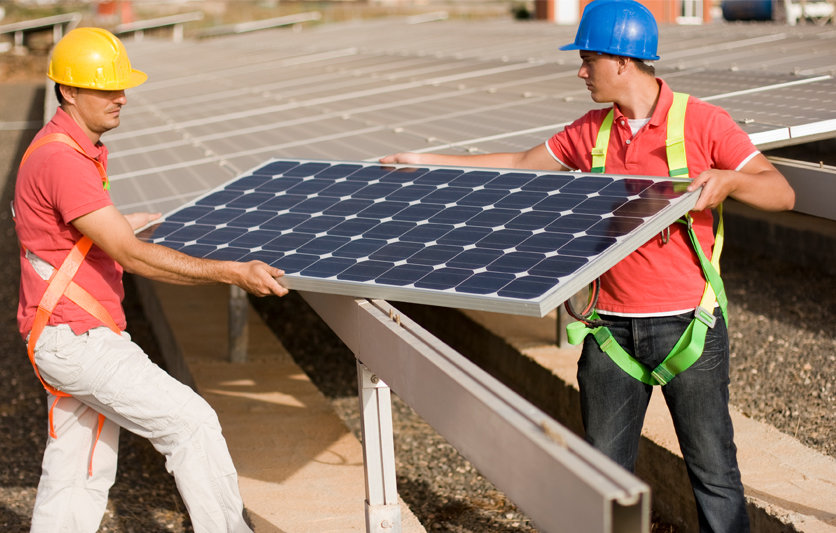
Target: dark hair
[[60, 98], [645, 68]]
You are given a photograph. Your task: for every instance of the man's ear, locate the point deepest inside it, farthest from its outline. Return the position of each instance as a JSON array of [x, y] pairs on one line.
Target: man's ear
[[69, 93], [623, 63]]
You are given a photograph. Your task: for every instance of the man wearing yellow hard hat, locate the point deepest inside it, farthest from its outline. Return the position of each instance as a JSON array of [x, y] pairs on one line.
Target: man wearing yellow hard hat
[[74, 247]]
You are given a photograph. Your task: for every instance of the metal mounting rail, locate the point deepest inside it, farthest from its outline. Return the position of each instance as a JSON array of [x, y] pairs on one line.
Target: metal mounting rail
[[560, 481], [58, 23], [138, 28], [245, 27]]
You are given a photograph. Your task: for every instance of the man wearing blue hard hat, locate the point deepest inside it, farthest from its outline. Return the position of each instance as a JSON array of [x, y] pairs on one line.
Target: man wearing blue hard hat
[[661, 314]]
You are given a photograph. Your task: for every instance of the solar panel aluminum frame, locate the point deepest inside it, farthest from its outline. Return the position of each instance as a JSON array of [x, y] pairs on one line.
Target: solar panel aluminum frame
[[538, 307]]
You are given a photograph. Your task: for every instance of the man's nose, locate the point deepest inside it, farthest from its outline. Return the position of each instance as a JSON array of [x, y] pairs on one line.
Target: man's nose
[[121, 97]]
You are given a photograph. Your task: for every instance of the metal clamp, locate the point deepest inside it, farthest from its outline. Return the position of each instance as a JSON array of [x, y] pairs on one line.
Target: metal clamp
[[705, 316]]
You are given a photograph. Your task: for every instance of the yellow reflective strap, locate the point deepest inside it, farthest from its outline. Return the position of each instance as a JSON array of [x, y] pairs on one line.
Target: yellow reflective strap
[[602, 142], [675, 143]]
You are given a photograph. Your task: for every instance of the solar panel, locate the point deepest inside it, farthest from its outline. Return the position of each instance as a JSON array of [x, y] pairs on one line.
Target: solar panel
[[518, 242]]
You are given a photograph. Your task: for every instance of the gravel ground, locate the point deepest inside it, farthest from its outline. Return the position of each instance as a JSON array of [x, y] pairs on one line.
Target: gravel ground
[[782, 374]]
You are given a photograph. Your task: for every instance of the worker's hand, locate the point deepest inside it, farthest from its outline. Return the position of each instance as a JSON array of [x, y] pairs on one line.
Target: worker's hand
[[406, 158], [716, 185], [137, 220], [259, 278]]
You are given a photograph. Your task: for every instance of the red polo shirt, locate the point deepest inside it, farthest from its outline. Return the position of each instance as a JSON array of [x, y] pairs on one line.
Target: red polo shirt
[[55, 186], [658, 278]]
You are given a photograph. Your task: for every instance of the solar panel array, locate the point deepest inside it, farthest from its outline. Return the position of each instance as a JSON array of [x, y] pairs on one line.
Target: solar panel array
[[356, 91], [498, 240]]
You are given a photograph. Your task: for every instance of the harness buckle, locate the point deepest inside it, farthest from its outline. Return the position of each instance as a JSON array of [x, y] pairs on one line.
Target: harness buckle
[[703, 315]]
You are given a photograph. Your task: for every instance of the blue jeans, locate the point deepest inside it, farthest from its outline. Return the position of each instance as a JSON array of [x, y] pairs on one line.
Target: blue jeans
[[613, 406]]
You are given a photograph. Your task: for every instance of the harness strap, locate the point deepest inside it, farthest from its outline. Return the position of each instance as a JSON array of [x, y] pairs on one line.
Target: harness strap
[[599, 153], [61, 283], [675, 143]]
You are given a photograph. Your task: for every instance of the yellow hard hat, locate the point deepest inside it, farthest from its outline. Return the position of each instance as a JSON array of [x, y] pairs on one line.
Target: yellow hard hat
[[93, 58]]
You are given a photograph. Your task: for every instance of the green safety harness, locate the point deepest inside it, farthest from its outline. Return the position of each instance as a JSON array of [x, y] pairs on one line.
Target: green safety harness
[[690, 345]]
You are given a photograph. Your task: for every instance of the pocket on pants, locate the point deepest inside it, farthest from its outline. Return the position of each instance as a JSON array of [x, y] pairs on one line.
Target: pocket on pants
[[59, 355]]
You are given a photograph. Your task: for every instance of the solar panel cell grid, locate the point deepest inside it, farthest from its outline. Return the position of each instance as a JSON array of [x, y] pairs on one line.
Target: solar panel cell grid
[[481, 238]]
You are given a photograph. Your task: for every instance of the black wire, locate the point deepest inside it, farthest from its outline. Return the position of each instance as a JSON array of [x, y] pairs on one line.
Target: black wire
[[585, 316]]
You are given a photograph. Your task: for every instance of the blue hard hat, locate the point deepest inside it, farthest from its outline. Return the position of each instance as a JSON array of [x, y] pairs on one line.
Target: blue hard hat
[[618, 27]]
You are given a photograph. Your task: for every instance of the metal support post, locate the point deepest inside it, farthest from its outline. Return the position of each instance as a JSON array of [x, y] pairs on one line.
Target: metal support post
[[178, 33], [57, 32], [238, 324], [383, 513], [19, 39], [563, 319], [139, 35]]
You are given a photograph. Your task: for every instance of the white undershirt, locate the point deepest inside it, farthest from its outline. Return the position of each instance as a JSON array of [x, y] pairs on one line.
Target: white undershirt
[[636, 124]]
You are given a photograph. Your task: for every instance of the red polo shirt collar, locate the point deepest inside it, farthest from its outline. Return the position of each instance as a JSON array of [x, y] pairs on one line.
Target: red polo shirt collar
[[660, 112], [69, 126]]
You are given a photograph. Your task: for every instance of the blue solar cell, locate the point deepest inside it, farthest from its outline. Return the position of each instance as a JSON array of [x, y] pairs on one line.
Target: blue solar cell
[[281, 203], [348, 207], [294, 263], [343, 188], [664, 189], [642, 208], [426, 233], [389, 230], [190, 233], [484, 197], [516, 262], [198, 250], [248, 183], [558, 266], [544, 242], [288, 242], [455, 215], [360, 248], [355, 226], [365, 271], [587, 246], [252, 219], [319, 224], [263, 255], [503, 239], [220, 216], [314, 205], [447, 195], [338, 171], [307, 187], [464, 236], [228, 254], [219, 198], [328, 267], [285, 221], [404, 175], [189, 214], [521, 200], [546, 183], [279, 184], [509, 181], [397, 251], [476, 178], [614, 226], [410, 193], [474, 258], [250, 200], [435, 255], [559, 202], [160, 231], [443, 279], [377, 190], [323, 245], [403, 275], [306, 169], [439, 176], [221, 236], [493, 218], [382, 210], [626, 187], [573, 223], [586, 185], [276, 168], [254, 239], [598, 205], [533, 220], [371, 173], [418, 212], [528, 287], [485, 283]]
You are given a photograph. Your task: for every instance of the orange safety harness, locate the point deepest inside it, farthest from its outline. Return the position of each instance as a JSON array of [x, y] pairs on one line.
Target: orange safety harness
[[61, 284]]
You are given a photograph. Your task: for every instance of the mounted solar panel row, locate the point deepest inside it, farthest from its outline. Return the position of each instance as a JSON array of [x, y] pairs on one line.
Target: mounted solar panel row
[[500, 240]]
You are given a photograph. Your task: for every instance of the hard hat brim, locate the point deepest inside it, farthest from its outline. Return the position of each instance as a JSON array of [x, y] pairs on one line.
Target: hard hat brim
[[136, 78]]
